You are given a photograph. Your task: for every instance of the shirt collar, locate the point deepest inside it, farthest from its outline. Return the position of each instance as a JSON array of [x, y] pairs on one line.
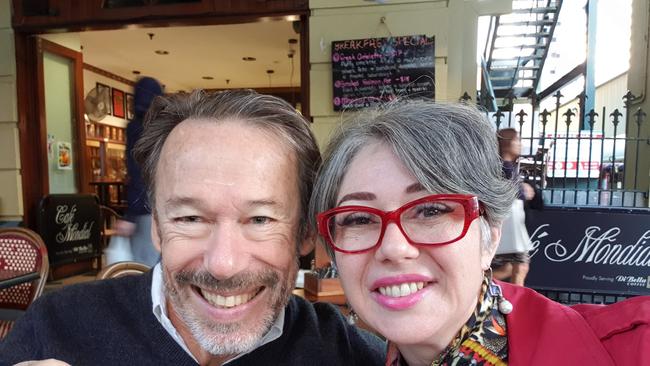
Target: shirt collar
[[159, 308]]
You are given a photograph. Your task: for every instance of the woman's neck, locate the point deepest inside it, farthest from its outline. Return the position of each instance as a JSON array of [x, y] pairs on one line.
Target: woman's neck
[[424, 353]]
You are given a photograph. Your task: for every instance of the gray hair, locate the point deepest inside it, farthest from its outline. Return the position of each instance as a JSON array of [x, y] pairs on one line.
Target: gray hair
[[449, 148], [264, 111]]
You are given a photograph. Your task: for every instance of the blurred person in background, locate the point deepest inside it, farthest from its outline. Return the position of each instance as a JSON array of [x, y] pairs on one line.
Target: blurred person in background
[[136, 223], [512, 260]]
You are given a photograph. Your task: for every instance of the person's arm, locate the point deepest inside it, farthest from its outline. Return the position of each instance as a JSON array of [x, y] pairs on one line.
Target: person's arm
[[21, 344]]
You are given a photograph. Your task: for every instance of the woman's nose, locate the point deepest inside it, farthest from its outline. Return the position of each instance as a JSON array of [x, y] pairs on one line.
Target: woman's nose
[[395, 246]]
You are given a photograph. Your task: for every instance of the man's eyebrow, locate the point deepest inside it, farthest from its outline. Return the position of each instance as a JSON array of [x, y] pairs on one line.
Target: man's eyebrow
[[179, 201], [357, 196], [264, 202]]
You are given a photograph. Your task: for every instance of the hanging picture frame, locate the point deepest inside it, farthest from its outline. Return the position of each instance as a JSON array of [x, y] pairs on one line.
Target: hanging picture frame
[[130, 106], [118, 103]]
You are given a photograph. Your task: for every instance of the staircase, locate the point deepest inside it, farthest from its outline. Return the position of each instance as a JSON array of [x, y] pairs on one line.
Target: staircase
[[516, 49]]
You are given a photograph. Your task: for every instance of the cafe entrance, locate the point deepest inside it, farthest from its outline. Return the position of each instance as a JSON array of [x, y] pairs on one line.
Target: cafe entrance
[[114, 43]]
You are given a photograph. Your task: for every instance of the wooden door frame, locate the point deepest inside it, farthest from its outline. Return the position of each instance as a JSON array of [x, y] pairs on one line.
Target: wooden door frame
[[79, 128], [32, 121], [31, 116]]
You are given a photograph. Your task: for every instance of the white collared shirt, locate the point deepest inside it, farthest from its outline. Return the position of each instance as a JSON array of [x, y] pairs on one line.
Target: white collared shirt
[[160, 312]]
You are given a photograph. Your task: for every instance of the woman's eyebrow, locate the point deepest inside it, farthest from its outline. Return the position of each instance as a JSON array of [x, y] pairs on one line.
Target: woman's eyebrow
[[357, 196], [415, 187]]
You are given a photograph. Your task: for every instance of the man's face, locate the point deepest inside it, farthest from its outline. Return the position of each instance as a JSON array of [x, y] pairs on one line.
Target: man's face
[[226, 216]]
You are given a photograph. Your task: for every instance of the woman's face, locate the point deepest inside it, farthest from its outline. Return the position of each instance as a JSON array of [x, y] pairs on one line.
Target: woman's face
[[450, 275]]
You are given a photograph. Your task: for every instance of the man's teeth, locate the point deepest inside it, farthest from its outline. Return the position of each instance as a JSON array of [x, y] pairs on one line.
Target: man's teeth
[[404, 289], [227, 301]]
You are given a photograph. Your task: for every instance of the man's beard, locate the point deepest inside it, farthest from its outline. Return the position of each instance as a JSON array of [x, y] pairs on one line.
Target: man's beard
[[229, 338]]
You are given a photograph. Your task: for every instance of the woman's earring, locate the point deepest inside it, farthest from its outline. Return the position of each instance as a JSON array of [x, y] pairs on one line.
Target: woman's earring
[[505, 306], [352, 316]]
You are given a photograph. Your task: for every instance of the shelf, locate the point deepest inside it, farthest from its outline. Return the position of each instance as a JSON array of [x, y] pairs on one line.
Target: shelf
[[101, 139]]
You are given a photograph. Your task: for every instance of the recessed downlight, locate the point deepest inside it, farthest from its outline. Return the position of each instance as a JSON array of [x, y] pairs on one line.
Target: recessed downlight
[[248, 58]]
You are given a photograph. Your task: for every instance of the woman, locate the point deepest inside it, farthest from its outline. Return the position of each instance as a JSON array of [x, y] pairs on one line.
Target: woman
[[410, 201], [511, 259]]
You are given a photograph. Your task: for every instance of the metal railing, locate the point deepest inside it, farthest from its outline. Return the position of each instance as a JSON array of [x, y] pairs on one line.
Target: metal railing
[[589, 160]]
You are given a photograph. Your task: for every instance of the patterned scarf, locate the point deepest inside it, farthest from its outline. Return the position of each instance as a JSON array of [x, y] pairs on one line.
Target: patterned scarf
[[482, 341]]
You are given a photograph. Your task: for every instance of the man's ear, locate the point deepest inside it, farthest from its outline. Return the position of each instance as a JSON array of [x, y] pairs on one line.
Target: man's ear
[[307, 244], [489, 252], [155, 232]]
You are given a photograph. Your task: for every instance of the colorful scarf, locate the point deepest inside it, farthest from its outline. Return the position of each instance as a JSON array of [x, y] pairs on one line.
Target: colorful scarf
[[482, 341]]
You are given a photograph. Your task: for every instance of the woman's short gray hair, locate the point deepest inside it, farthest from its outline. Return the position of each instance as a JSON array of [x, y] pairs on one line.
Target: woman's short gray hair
[[449, 148]]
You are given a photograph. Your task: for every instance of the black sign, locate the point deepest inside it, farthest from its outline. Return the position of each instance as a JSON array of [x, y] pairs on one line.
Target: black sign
[[70, 226], [590, 250], [368, 71]]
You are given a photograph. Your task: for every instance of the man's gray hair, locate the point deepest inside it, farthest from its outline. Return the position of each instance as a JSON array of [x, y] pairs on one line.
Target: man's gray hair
[[264, 111], [449, 148]]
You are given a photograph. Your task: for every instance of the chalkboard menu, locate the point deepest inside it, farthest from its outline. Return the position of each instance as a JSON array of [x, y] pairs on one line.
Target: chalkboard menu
[[70, 226], [369, 71]]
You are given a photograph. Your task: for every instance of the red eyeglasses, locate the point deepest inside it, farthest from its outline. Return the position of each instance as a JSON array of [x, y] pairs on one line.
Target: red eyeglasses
[[432, 220]]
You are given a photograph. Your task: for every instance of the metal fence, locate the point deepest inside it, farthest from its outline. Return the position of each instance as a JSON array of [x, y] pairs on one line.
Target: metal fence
[[590, 159]]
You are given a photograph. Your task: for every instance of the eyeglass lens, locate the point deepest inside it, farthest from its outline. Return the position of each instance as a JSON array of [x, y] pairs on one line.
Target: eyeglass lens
[[430, 222]]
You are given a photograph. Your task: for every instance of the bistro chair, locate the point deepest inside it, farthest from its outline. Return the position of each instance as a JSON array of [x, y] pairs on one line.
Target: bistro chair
[[121, 269], [22, 252]]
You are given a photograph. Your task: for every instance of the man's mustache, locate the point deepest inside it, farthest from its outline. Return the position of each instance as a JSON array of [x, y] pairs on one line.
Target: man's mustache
[[240, 281]]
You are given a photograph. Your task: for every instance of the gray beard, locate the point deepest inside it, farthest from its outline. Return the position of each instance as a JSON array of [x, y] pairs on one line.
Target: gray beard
[[231, 338]]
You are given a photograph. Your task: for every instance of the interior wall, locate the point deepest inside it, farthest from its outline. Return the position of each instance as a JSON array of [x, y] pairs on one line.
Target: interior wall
[[11, 195], [90, 81]]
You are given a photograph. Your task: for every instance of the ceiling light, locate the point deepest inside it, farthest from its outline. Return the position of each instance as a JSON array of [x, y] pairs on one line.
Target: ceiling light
[[248, 58], [161, 52], [207, 78]]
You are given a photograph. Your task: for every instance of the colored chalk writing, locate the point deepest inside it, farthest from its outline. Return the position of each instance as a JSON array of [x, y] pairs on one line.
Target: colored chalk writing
[[366, 72]]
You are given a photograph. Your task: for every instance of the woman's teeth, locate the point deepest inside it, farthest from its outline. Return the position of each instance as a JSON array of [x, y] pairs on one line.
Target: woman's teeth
[[226, 301], [404, 289]]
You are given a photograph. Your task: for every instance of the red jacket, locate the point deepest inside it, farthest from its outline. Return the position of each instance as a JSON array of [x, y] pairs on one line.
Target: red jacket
[[543, 332]]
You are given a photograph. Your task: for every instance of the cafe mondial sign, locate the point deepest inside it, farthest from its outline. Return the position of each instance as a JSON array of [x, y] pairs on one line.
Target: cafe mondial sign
[[70, 226], [590, 250]]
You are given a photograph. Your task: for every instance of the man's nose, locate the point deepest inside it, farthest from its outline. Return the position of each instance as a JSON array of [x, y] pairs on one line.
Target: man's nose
[[225, 254], [394, 246]]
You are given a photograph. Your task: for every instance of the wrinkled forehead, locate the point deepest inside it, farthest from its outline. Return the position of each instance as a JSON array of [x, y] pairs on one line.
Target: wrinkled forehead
[[225, 153]]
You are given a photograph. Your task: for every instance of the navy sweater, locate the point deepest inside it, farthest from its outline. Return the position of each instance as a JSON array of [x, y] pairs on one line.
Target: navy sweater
[[111, 323]]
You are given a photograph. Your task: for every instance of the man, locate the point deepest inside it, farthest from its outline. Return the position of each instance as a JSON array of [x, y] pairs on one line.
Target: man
[[229, 177]]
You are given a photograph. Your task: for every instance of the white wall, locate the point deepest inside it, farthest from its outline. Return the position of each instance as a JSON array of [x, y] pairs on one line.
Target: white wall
[[453, 24], [11, 191]]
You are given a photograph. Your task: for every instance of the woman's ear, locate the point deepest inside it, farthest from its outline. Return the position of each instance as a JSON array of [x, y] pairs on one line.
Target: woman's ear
[[307, 244], [491, 249]]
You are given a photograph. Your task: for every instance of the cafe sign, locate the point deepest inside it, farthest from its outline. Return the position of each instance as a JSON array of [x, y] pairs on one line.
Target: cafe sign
[[590, 250], [70, 226]]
